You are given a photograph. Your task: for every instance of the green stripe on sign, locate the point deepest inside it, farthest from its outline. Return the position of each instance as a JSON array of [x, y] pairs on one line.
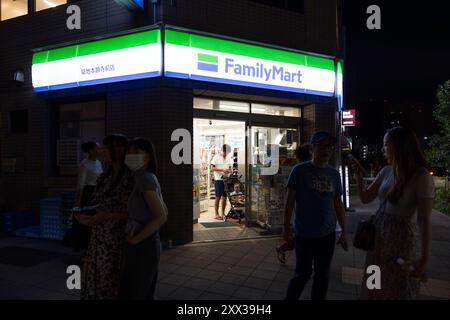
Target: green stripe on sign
[[106, 45], [40, 57], [239, 48], [208, 58]]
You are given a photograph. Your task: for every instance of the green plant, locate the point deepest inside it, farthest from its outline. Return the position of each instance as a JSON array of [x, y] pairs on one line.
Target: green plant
[[442, 200], [438, 153]]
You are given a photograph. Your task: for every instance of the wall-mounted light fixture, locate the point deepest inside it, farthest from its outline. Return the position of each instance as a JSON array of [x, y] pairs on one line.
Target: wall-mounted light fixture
[[19, 76]]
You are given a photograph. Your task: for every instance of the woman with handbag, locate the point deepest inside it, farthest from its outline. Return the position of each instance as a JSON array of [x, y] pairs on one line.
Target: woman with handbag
[[402, 225]]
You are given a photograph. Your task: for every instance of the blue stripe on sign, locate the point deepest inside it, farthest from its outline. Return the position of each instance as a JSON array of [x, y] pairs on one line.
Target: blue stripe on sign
[[99, 81], [208, 67], [121, 78], [245, 83], [172, 74]]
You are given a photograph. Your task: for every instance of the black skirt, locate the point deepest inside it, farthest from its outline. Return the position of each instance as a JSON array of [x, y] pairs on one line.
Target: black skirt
[[81, 234]]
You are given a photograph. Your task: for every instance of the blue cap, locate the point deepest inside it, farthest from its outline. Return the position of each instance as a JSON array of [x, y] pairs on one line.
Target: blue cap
[[321, 135]]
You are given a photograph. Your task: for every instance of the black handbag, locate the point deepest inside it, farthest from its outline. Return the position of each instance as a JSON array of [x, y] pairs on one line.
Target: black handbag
[[365, 232]]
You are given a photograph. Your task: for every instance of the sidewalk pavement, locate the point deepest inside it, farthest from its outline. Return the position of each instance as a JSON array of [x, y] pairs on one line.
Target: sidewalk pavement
[[229, 270]]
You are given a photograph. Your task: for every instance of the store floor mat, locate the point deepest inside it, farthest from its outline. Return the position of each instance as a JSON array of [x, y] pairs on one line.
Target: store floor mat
[[26, 257], [220, 224]]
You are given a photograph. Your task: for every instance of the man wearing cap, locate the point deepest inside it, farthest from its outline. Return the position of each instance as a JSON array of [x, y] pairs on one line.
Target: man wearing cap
[[314, 189]]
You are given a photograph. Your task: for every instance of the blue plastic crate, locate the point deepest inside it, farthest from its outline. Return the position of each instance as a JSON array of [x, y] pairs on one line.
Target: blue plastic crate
[[23, 219], [29, 232]]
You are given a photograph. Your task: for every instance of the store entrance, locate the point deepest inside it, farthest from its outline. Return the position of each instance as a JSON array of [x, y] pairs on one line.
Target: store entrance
[[209, 137], [262, 157]]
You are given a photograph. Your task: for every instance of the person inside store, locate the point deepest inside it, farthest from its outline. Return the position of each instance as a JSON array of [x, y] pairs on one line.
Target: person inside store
[[221, 166], [314, 189], [302, 154], [101, 273], [402, 237], [147, 214], [88, 172]]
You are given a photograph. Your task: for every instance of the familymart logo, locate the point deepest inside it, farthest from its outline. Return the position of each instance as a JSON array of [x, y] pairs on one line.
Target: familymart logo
[[207, 62], [254, 71]]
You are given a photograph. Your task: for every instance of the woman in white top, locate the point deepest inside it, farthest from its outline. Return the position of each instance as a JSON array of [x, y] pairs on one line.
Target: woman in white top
[[89, 170], [403, 223]]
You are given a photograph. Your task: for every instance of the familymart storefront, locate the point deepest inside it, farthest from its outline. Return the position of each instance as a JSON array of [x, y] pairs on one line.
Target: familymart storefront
[[162, 82]]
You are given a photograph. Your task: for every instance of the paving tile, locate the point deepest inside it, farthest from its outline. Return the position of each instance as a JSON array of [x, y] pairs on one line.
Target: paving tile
[[198, 284], [164, 290], [233, 278], [249, 293], [333, 295], [279, 287], [183, 293], [352, 275], [219, 267], [188, 271], [257, 283], [210, 275], [223, 288], [175, 279], [273, 295], [239, 270], [213, 296]]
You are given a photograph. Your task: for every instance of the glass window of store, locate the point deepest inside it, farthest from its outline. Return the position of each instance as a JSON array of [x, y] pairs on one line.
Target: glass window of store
[[47, 4], [221, 105], [272, 154], [78, 123], [274, 110], [13, 8]]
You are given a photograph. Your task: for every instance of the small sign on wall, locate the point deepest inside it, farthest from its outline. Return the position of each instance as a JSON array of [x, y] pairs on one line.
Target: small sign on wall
[[131, 4], [349, 118]]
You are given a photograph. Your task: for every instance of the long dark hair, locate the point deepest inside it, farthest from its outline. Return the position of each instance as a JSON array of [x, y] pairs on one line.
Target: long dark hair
[[148, 147], [407, 159], [88, 146], [113, 142]]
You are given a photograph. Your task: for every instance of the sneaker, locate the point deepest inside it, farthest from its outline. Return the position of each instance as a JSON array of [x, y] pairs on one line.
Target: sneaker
[[281, 255]]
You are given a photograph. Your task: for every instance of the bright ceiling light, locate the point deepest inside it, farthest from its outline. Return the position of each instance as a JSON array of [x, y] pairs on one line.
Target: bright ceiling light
[[49, 3]]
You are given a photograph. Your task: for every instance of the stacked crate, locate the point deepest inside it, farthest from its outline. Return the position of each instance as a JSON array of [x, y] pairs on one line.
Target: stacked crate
[[56, 217], [51, 219]]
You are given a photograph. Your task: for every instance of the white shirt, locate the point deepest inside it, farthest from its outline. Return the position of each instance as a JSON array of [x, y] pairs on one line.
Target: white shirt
[[88, 173], [220, 163]]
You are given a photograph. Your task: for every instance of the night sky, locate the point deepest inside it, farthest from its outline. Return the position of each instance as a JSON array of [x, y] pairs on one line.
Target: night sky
[[404, 62]]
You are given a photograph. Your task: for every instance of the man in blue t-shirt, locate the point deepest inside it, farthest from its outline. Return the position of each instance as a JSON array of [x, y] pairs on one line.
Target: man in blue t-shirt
[[315, 189]]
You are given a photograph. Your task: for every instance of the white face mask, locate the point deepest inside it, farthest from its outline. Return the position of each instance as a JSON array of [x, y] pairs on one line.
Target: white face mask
[[135, 161]]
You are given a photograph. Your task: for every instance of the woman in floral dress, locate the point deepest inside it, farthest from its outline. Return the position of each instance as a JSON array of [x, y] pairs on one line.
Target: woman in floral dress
[[403, 222], [101, 272]]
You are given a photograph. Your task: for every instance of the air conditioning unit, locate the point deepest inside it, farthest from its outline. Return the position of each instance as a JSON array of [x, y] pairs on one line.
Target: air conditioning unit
[[68, 156]]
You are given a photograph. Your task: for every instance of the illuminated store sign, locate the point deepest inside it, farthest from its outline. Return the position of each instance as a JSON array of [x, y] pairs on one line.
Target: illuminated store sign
[[198, 57], [127, 57]]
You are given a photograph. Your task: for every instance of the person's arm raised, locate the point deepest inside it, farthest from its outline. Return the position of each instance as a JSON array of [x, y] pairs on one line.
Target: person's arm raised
[[366, 195]]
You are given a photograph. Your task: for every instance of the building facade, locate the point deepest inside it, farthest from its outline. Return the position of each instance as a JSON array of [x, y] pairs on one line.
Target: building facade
[[40, 129]]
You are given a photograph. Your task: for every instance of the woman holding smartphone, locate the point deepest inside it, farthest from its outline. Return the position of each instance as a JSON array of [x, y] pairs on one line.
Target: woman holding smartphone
[[147, 214], [403, 223], [101, 273]]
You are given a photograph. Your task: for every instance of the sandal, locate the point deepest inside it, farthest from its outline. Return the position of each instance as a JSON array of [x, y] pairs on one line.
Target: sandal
[[218, 218]]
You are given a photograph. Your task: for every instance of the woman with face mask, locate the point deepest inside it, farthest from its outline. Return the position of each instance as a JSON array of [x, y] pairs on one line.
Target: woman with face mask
[[101, 273], [403, 222], [147, 213]]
